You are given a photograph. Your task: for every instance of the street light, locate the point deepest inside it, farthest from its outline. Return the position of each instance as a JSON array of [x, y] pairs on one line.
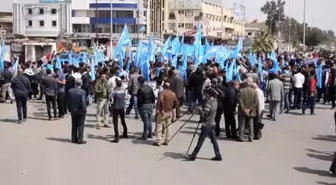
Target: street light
[[304, 25]]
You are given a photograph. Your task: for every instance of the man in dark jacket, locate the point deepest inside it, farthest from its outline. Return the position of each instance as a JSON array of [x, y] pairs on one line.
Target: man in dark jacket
[[146, 100], [60, 79], [196, 81], [21, 88], [77, 107], [6, 78], [133, 86], [177, 86], [69, 84], [229, 107], [50, 91], [86, 84]]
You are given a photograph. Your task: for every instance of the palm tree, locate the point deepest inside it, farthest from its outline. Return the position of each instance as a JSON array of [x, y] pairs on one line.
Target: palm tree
[[264, 42]]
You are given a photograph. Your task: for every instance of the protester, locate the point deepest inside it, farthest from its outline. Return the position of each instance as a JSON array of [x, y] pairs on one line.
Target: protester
[[118, 95], [275, 94], [60, 92], [146, 100], [101, 95], [21, 87], [133, 86], [6, 78], [311, 94], [50, 91], [77, 107]]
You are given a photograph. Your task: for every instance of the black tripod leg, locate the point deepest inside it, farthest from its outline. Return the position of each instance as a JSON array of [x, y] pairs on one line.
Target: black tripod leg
[[180, 128], [193, 138]]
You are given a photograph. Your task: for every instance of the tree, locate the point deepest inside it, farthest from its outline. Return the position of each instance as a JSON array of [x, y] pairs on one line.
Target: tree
[[275, 12], [264, 42]]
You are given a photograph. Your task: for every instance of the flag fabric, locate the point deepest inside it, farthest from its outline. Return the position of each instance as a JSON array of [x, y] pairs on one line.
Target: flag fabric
[[97, 56], [119, 51], [275, 63], [142, 29], [319, 75], [260, 70], [59, 64], [251, 58], [166, 46], [15, 66], [92, 71], [198, 46]]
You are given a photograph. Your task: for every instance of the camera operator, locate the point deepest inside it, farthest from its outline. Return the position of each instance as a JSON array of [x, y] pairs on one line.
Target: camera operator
[[208, 113]]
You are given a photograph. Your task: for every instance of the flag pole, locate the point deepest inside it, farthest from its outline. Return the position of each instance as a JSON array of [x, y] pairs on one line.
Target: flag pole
[[111, 42]]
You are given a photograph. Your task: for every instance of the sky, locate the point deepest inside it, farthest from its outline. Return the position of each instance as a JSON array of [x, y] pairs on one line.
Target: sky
[[319, 13]]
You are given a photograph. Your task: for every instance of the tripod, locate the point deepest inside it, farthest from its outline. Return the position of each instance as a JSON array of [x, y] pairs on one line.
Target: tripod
[[192, 140], [180, 128]]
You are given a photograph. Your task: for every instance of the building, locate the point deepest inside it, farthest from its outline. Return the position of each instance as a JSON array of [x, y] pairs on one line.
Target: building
[[158, 16], [92, 20], [6, 24], [35, 19], [252, 31], [216, 21]]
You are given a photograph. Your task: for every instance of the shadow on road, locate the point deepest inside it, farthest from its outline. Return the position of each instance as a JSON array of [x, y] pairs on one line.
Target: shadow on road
[[178, 156], [9, 120], [326, 183], [325, 138], [62, 140], [313, 171], [321, 157], [106, 138]]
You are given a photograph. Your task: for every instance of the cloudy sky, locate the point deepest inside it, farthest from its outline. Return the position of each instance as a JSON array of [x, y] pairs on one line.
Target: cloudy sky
[[320, 13]]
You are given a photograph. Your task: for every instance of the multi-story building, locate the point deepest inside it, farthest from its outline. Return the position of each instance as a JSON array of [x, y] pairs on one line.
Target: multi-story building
[[6, 24], [252, 31], [216, 21], [92, 19]]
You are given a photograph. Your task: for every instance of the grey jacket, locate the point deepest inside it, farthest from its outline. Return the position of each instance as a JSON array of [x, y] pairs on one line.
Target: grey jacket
[[50, 86], [208, 112], [275, 90], [77, 102], [133, 84], [177, 86]]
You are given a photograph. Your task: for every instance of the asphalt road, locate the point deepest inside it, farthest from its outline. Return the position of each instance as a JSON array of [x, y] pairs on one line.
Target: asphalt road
[[295, 150]]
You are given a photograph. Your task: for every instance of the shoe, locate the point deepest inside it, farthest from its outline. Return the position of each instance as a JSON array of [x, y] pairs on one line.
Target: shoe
[[11, 101], [250, 140], [81, 142], [217, 158], [149, 137], [269, 116], [115, 141], [274, 119], [142, 138], [24, 120], [165, 144], [125, 136], [287, 111], [107, 126], [332, 107], [312, 113], [190, 157], [20, 121], [74, 141], [156, 144], [136, 117], [50, 119], [256, 138], [240, 140]]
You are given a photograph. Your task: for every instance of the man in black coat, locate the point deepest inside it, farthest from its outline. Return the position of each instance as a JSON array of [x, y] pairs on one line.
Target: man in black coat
[[177, 86], [86, 86], [77, 107], [21, 87], [229, 107], [50, 90], [69, 83]]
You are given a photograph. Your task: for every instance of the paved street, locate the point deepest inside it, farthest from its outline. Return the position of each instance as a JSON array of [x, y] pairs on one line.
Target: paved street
[[295, 150]]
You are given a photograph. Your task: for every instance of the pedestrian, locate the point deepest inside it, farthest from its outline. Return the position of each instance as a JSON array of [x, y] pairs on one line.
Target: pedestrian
[[247, 109], [6, 78], [77, 108], [50, 91], [146, 100], [60, 79], [21, 87], [118, 95], [167, 102], [133, 86], [299, 80], [257, 124], [208, 113], [275, 93], [101, 95], [230, 99], [87, 84], [311, 94], [287, 80], [177, 86]]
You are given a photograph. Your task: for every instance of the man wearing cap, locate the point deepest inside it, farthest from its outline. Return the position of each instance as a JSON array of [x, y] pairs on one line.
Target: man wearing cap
[[208, 113], [77, 107]]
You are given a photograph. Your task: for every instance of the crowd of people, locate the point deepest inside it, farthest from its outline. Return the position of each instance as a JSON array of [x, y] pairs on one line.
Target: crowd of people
[[204, 90]]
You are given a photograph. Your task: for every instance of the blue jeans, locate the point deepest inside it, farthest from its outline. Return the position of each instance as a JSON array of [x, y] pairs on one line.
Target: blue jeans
[[146, 112], [133, 102], [310, 104], [207, 131], [21, 106], [286, 101]]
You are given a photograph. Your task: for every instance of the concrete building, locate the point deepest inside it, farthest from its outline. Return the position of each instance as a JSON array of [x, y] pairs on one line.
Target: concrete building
[[91, 19], [216, 21], [31, 18], [252, 31], [6, 24]]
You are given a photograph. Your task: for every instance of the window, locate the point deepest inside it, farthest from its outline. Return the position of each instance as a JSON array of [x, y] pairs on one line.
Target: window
[[181, 12], [54, 23], [30, 11], [145, 13], [249, 33], [41, 23], [41, 11], [189, 13], [53, 11], [171, 16], [126, 14], [30, 23], [181, 25], [189, 25]]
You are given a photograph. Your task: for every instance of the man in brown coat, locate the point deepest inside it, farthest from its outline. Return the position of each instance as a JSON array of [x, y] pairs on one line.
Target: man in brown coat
[[247, 109], [167, 101]]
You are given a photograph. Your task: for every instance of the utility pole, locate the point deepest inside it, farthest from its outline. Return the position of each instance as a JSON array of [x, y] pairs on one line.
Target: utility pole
[[96, 23], [111, 42], [304, 25]]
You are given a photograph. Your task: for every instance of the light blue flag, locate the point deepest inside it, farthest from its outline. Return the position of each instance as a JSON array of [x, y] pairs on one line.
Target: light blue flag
[[319, 75], [275, 63], [129, 57], [2, 55], [98, 56], [152, 49], [166, 46], [15, 66], [198, 46], [260, 71], [235, 52], [59, 64], [119, 51], [142, 29], [230, 71], [251, 58], [92, 71]]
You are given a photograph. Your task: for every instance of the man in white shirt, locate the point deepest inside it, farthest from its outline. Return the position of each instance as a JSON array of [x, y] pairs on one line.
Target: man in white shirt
[[261, 107], [299, 80]]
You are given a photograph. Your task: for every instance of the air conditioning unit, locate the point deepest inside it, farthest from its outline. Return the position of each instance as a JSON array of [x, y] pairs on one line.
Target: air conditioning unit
[[3, 32]]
